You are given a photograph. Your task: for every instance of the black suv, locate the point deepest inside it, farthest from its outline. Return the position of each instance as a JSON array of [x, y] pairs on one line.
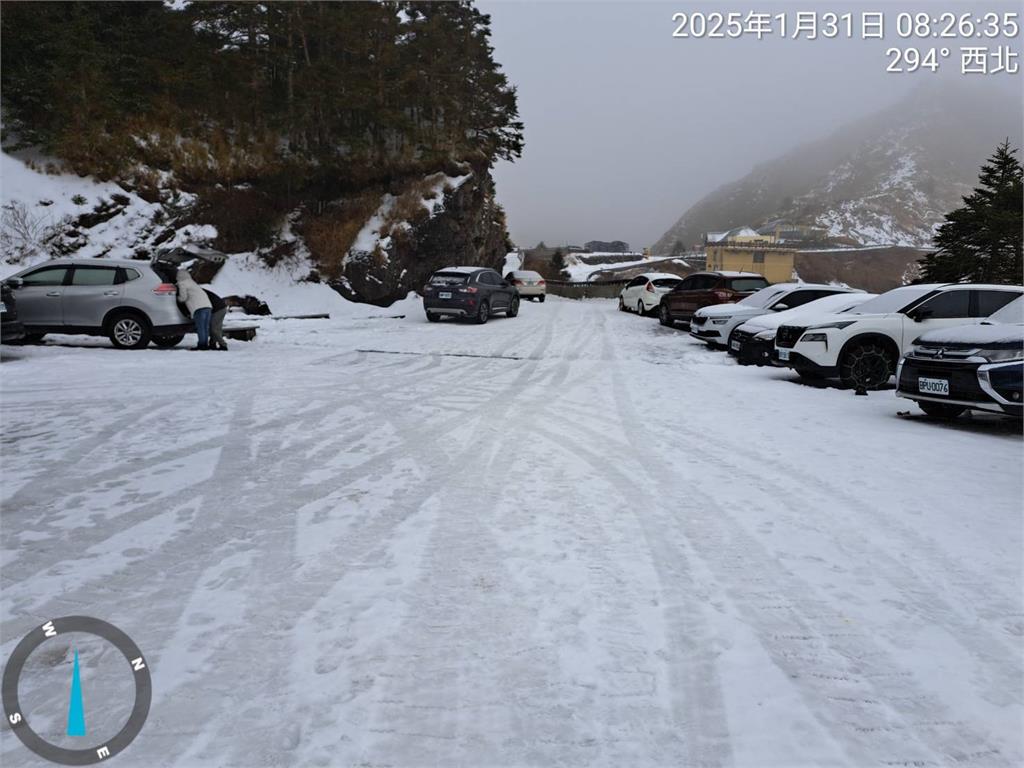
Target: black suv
[[474, 292]]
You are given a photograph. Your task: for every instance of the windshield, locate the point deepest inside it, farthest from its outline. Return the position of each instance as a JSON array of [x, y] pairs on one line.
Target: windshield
[[666, 282], [764, 297], [894, 300], [448, 278], [1011, 313]]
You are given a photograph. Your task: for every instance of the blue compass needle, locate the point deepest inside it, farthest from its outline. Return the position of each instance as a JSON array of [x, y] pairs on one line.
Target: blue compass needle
[[76, 710]]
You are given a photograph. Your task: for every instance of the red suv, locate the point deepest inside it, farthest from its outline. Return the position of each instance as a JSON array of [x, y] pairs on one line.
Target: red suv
[[702, 289]]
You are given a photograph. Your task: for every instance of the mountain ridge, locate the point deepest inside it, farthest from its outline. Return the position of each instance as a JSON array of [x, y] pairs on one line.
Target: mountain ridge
[[884, 179]]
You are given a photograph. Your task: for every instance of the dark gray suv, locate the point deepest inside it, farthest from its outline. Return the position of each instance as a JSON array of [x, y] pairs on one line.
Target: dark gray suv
[[474, 292]]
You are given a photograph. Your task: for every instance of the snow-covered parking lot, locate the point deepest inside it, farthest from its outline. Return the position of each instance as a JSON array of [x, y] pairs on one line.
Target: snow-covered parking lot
[[570, 538]]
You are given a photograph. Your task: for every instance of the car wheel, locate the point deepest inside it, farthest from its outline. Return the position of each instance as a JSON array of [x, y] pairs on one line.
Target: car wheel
[[129, 331], [622, 305], [866, 365], [941, 410], [541, 299], [166, 342], [484, 313], [664, 317], [31, 338], [433, 318], [513, 308], [640, 308]]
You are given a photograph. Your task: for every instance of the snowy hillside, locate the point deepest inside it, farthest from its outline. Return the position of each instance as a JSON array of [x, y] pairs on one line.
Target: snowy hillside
[[49, 214], [887, 179]]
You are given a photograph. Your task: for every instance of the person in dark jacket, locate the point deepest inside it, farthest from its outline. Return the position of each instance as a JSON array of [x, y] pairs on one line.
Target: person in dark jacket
[[220, 309]]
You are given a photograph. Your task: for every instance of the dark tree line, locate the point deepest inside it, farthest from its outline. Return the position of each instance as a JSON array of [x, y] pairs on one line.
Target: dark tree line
[[983, 241], [284, 90]]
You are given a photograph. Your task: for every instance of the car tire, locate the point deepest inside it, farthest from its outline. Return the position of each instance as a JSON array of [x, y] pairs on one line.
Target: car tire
[[868, 365], [31, 338], [664, 317], [622, 305], [166, 342], [946, 411], [431, 318], [513, 308], [640, 308], [129, 330], [541, 299], [483, 314]]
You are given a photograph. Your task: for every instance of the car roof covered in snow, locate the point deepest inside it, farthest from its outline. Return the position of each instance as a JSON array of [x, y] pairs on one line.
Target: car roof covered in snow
[[99, 262], [461, 270], [658, 276]]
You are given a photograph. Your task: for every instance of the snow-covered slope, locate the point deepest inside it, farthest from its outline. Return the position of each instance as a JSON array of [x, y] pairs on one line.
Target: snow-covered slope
[[47, 214], [885, 180]]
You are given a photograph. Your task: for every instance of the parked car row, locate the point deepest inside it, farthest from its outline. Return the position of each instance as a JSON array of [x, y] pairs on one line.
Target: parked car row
[[952, 347]]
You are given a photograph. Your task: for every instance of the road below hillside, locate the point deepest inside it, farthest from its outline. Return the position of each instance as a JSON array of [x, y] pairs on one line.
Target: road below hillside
[[569, 538]]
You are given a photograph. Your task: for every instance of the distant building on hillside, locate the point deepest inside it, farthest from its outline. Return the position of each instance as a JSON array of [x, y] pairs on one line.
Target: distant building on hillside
[[773, 261], [601, 246], [738, 235], [787, 232]]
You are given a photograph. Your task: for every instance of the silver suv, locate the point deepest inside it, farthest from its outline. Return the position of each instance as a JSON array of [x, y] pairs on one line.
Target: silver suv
[[131, 302]]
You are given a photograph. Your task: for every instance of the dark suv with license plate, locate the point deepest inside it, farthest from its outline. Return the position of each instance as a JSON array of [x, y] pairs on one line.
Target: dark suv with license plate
[[705, 289], [469, 292]]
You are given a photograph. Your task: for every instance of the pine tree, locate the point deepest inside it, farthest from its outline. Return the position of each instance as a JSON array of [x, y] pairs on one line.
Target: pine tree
[[558, 264], [982, 241]]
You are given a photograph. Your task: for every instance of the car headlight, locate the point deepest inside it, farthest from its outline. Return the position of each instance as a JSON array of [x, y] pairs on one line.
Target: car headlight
[[1002, 355], [721, 320], [837, 324], [815, 337], [765, 336]]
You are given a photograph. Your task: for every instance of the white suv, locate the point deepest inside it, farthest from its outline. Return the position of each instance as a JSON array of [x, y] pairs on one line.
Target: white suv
[[862, 345]]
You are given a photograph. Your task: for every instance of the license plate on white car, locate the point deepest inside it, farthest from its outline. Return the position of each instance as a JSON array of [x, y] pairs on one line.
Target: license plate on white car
[[783, 354], [3, 307], [734, 345], [932, 386], [444, 295]]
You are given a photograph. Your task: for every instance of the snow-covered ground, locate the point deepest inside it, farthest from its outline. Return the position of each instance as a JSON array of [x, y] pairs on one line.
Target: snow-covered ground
[[570, 538]]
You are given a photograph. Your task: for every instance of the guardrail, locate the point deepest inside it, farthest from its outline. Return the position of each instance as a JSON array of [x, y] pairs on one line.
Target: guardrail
[[598, 289]]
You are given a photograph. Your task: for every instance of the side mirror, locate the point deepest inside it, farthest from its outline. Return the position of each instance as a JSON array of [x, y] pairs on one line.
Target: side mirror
[[923, 313], [14, 282], [780, 307]]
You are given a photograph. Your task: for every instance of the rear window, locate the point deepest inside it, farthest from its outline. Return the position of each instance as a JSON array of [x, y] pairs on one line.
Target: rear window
[[743, 284], [449, 278], [94, 276], [665, 282]]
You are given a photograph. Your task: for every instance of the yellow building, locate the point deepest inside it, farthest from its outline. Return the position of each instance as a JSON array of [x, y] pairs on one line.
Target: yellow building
[[775, 263]]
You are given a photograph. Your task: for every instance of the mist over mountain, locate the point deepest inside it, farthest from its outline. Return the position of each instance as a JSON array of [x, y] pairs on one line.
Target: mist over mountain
[[886, 179]]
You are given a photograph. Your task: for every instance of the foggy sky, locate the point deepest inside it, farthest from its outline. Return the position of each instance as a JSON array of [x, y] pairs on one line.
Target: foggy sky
[[626, 126]]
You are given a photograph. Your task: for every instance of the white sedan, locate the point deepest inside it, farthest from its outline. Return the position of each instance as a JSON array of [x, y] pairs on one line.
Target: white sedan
[[643, 293], [716, 324]]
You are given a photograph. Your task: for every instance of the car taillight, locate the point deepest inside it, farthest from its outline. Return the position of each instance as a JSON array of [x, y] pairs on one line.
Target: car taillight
[[649, 288], [518, 282], [540, 282], [723, 295], [426, 288], [469, 289], [165, 288]]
